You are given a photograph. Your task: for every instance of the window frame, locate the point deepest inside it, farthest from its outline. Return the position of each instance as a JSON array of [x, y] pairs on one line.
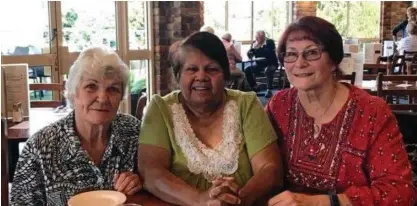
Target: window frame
[[60, 59], [289, 10]]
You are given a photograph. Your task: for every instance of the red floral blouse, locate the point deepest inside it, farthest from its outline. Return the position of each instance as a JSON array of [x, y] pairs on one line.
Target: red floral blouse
[[359, 153]]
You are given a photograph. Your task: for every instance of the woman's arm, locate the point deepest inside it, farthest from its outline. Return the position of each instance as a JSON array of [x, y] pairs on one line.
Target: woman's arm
[[387, 165], [28, 187], [153, 165], [399, 27], [267, 178]]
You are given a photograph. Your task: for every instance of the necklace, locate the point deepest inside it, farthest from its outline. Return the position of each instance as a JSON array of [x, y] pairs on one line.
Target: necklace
[[316, 126]]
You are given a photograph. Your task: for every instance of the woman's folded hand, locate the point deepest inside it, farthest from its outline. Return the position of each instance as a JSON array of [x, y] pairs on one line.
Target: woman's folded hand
[[128, 183]]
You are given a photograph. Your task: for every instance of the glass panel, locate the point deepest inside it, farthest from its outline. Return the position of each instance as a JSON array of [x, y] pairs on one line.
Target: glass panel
[[25, 29], [87, 23], [240, 20], [138, 81], [352, 19], [40, 74], [138, 34], [215, 16], [138, 75], [244, 51], [270, 16]]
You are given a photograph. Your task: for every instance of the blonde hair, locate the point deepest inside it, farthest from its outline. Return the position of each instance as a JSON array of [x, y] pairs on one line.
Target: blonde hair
[[411, 28], [411, 10]]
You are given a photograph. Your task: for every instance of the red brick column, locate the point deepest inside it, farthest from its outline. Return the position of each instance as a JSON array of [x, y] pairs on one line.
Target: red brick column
[[172, 21], [304, 8], [392, 13]]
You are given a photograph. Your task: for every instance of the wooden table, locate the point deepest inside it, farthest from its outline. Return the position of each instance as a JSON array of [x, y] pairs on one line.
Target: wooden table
[[20, 132], [146, 199]]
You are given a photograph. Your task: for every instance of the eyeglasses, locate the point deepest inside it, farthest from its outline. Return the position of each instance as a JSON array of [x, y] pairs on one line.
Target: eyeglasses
[[309, 55]]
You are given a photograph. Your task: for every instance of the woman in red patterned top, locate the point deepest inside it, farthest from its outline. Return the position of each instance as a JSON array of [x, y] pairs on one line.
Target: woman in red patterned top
[[340, 145]]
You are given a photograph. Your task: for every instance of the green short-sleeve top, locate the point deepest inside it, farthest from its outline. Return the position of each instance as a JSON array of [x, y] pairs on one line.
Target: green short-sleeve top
[[246, 131]]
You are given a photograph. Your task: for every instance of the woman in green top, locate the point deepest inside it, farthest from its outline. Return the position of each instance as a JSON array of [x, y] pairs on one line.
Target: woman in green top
[[206, 145]]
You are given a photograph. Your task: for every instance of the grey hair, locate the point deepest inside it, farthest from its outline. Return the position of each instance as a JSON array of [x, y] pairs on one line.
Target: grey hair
[[207, 29], [96, 60], [227, 36]]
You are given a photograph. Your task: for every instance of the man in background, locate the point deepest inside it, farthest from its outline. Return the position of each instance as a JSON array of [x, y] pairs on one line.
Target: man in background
[[262, 48]]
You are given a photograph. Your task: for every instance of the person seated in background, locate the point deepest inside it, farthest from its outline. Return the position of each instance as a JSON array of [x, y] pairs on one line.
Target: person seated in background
[[93, 148], [265, 48], [207, 28], [204, 144], [409, 43], [411, 17], [340, 145], [233, 56]]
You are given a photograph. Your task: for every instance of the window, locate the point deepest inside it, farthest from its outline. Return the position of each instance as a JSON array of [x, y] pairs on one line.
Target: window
[[359, 19], [49, 36], [28, 31], [88, 23], [272, 17], [243, 18]]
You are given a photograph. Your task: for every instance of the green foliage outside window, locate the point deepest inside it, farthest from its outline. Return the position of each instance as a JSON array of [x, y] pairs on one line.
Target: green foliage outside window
[[359, 19]]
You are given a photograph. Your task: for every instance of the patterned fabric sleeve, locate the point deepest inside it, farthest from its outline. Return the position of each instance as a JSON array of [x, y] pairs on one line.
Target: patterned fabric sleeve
[[387, 165], [28, 187]]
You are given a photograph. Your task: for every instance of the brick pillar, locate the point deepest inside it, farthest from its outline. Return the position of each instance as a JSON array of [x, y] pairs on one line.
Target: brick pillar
[[392, 13], [173, 20], [304, 8]]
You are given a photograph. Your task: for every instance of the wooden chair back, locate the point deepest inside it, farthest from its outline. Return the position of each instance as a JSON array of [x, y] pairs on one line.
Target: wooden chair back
[[375, 68], [398, 62], [141, 104], [47, 86], [410, 56], [391, 90], [348, 78]]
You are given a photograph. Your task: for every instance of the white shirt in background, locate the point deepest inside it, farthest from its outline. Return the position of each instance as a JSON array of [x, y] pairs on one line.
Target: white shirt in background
[[408, 44]]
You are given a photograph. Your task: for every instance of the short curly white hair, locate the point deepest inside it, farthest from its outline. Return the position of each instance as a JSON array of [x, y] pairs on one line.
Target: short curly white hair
[[207, 28], [96, 60]]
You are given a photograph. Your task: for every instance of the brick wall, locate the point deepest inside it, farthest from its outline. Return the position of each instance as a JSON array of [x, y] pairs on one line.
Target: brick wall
[[303, 8], [392, 13], [173, 20]]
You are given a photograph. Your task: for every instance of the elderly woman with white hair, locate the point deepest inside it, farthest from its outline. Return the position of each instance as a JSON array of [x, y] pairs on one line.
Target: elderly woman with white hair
[[93, 148]]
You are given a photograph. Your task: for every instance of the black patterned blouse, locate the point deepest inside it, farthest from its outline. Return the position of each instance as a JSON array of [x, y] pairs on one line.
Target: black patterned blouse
[[53, 167]]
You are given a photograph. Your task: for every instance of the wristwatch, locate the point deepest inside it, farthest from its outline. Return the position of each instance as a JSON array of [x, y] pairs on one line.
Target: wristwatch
[[334, 200]]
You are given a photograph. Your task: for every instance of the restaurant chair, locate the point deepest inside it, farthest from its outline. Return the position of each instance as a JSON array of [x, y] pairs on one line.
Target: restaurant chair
[[411, 62], [141, 104], [4, 164], [391, 89], [410, 55], [349, 78], [58, 87], [375, 68], [398, 65]]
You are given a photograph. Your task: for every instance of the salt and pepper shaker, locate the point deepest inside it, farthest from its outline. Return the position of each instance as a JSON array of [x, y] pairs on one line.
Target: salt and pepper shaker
[[17, 112]]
